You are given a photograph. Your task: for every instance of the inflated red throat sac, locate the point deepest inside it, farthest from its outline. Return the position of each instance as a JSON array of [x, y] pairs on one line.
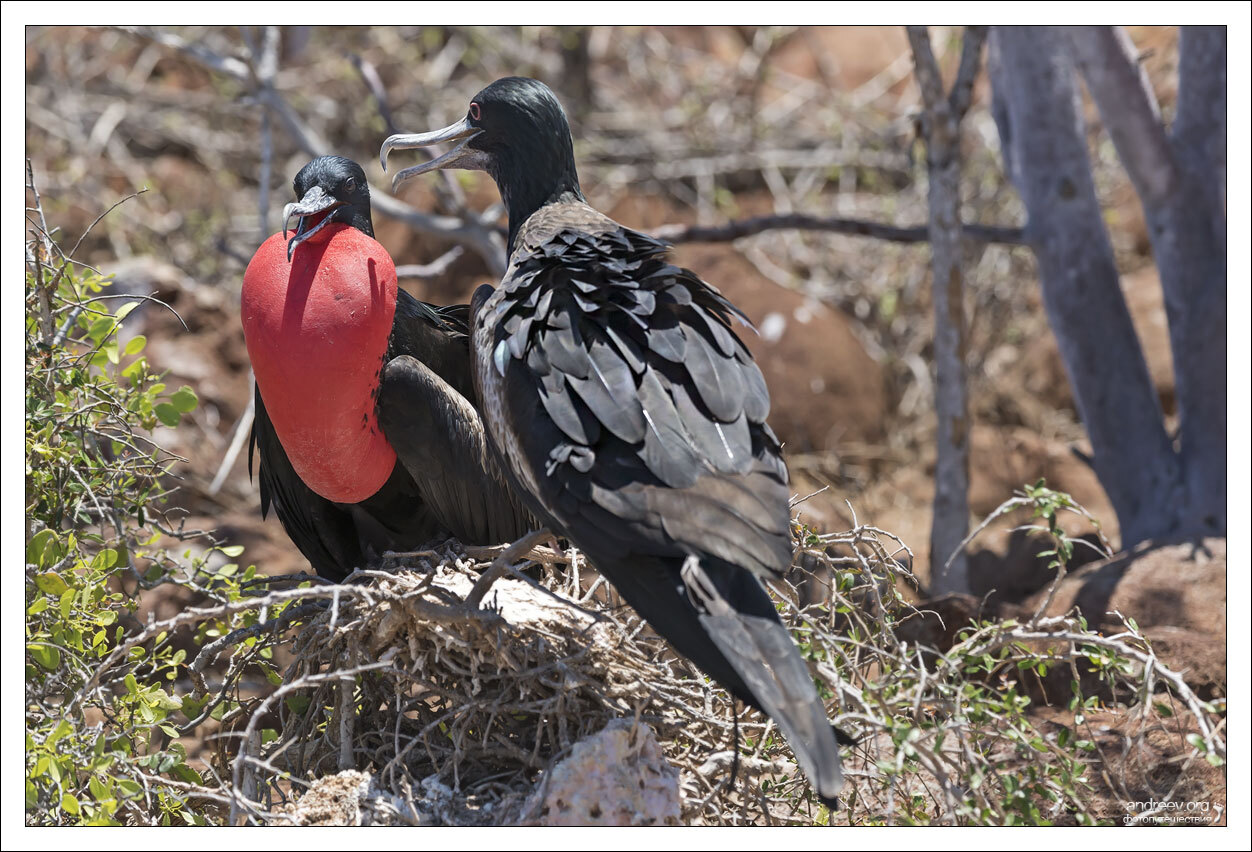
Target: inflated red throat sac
[[317, 330]]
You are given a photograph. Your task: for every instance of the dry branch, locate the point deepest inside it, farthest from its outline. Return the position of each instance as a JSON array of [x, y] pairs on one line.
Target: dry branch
[[679, 233]]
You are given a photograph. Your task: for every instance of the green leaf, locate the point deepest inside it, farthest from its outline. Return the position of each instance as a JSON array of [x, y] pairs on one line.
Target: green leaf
[[184, 399], [69, 804], [51, 584], [125, 309], [105, 559], [128, 788], [185, 773], [135, 344], [232, 550], [63, 727], [99, 329], [167, 414], [35, 547]]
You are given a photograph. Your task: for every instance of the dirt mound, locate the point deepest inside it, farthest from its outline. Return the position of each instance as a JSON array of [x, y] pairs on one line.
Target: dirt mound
[[1175, 591], [1002, 459]]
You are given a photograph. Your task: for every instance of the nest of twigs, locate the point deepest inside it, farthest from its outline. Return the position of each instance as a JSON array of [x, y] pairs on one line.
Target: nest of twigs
[[415, 698], [481, 699], [460, 712]]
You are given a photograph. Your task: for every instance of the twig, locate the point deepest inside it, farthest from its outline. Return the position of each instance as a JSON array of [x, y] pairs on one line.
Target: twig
[[503, 563], [243, 428], [434, 269], [369, 74], [467, 231], [113, 207], [679, 233]]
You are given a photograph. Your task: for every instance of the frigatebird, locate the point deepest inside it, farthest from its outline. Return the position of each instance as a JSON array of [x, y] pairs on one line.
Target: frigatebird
[[368, 436], [630, 416]]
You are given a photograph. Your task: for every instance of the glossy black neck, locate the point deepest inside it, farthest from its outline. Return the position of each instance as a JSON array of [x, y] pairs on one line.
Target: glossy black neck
[[358, 217], [532, 176]]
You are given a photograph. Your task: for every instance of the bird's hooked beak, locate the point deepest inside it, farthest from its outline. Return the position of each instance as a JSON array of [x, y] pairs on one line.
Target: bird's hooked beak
[[316, 200], [460, 157]]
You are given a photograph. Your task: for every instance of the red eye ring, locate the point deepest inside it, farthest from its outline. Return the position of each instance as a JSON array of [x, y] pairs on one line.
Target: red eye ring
[[476, 112]]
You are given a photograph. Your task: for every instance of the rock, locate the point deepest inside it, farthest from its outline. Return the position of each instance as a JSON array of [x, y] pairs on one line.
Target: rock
[[348, 798], [616, 777]]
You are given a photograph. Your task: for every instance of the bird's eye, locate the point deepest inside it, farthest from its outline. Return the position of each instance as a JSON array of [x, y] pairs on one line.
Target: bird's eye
[[350, 185], [476, 112]]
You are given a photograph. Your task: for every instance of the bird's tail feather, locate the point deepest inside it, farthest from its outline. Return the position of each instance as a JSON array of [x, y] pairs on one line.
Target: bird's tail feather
[[763, 654]]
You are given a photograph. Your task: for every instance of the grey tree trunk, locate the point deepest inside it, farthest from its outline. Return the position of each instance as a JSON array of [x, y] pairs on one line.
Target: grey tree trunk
[[1179, 180], [941, 126], [1045, 149]]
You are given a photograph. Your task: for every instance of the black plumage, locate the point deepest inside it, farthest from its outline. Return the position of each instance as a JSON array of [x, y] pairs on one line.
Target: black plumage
[[443, 481], [631, 417]]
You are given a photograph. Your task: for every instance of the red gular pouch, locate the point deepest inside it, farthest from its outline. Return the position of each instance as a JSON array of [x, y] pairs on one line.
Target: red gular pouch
[[317, 331]]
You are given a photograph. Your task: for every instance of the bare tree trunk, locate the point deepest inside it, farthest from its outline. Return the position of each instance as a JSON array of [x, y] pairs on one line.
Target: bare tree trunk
[[1195, 296], [1179, 183], [1045, 150], [941, 126]]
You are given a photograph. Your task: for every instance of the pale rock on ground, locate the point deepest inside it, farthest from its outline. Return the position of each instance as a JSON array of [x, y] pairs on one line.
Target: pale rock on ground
[[616, 777], [348, 798]]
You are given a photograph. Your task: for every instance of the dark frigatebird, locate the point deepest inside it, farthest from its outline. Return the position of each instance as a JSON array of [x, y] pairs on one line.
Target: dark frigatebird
[[367, 434], [631, 417]]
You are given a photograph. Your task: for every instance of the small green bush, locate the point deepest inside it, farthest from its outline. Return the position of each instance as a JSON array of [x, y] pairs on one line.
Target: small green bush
[[101, 745]]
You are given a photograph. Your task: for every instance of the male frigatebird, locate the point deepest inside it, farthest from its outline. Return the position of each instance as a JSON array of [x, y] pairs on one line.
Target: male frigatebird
[[631, 417], [368, 437]]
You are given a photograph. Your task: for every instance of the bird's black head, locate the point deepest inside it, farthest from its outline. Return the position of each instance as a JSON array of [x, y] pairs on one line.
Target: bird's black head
[[329, 189], [515, 130]]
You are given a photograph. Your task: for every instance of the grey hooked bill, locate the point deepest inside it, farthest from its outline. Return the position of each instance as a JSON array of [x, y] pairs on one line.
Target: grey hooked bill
[[316, 200], [458, 157]]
